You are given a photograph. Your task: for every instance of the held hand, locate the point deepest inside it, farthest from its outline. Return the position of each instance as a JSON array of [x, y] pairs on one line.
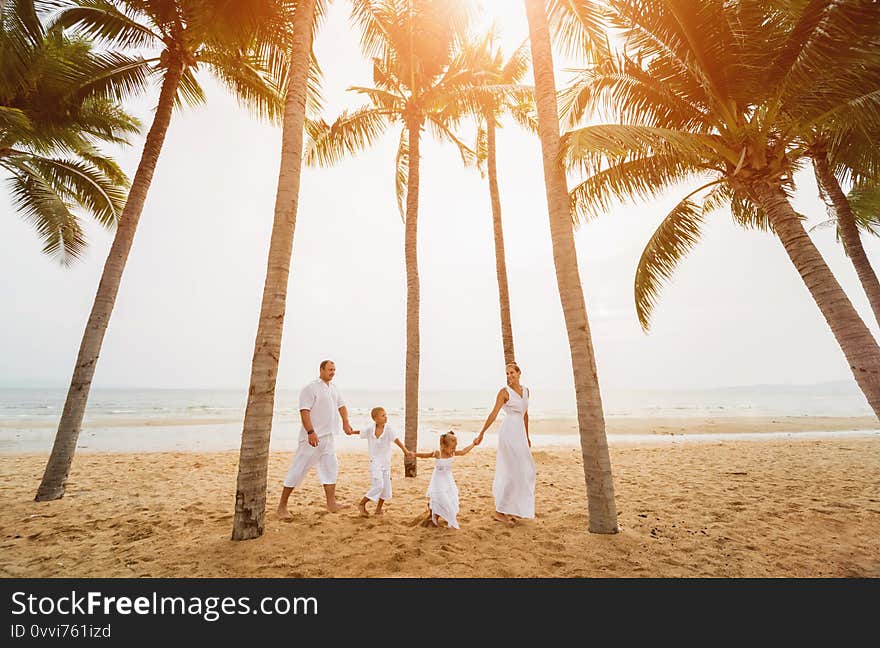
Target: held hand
[[410, 455], [347, 429], [479, 439]]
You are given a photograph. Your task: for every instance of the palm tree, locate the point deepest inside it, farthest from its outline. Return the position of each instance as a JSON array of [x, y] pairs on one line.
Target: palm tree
[[421, 80], [729, 94], [575, 23], [218, 34], [253, 464], [499, 91], [51, 120], [838, 157]]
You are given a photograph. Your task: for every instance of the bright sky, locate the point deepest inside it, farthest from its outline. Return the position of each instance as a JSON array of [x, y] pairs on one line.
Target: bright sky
[[736, 313]]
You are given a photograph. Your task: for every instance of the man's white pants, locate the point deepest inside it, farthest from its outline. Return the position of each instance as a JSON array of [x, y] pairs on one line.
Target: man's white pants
[[323, 457], [380, 483]]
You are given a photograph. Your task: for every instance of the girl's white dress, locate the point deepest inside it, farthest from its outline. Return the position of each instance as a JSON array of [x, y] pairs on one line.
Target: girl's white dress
[[514, 484], [443, 493]]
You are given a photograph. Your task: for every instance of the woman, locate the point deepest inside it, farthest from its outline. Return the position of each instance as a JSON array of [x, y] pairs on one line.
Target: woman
[[514, 484]]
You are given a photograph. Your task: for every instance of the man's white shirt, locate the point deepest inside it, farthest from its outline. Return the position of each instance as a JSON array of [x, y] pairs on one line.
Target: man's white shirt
[[323, 402], [380, 449]]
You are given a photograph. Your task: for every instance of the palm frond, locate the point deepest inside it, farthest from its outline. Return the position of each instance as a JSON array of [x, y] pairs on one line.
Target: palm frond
[[677, 235], [56, 225], [591, 147], [401, 174], [749, 215], [440, 129], [83, 184], [381, 98], [247, 81], [102, 20], [351, 132], [481, 146], [865, 204], [579, 26], [116, 76], [640, 178], [517, 65], [189, 92]]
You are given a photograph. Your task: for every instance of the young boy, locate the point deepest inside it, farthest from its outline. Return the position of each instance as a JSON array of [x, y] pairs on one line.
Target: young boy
[[379, 438]]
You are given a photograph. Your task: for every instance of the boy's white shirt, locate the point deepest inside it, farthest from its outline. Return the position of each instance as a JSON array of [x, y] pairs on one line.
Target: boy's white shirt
[[381, 448]]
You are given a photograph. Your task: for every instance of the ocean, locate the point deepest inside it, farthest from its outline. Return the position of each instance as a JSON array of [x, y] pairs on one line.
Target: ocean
[[206, 420]]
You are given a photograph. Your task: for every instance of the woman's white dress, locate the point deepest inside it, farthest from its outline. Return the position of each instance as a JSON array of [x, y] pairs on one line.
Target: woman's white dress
[[514, 484], [443, 493]]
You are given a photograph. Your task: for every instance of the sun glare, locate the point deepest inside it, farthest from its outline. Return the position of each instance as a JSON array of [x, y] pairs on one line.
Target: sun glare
[[509, 16], [502, 9]]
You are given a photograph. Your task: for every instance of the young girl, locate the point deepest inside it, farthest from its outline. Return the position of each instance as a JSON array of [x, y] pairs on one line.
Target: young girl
[[442, 491]]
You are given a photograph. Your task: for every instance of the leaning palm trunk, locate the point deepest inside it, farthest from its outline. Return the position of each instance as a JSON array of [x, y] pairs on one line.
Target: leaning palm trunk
[[591, 420], [58, 467], [849, 232], [253, 462], [849, 330], [410, 248], [500, 262]]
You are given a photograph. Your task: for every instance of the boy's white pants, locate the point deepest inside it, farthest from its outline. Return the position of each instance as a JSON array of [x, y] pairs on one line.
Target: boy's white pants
[[323, 457], [380, 482]]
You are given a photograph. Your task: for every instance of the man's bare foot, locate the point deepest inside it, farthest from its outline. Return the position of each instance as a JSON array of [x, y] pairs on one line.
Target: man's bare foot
[[333, 508], [363, 509], [500, 517], [380, 512], [284, 514]]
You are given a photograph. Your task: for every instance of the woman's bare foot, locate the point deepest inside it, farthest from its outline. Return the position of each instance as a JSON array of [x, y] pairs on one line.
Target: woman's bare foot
[[363, 509], [284, 514], [336, 506], [380, 512], [505, 520]]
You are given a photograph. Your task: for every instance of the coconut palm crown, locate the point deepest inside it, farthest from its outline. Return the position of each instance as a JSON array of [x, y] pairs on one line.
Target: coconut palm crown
[[54, 114], [727, 96]]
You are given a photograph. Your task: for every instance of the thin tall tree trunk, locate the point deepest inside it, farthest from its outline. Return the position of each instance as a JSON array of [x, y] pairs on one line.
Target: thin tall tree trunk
[[500, 261], [58, 467], [849, 330], [849, 232], [591, 420], [253, 461], [410, 247]]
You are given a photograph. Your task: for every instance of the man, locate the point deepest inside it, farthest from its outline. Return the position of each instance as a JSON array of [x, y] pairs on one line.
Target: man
[[320, 408]]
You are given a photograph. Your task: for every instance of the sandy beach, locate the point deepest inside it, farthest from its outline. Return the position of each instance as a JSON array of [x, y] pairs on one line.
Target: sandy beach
[[793, 508]]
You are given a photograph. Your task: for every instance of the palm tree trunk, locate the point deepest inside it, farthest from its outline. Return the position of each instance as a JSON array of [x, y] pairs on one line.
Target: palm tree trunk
[[253, 462], [591, 420], [849, 330], [410, 251], [500, 262], [58, 467], [849, 232]]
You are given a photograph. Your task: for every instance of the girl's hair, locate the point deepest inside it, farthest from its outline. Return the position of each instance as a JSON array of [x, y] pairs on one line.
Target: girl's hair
[[514, 365], [448, 439]]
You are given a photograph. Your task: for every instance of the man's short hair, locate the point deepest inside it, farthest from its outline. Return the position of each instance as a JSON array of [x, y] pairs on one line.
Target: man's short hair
[[324, 363]]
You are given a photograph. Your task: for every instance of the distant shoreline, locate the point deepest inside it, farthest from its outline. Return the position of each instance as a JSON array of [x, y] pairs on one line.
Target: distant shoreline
[[555, 425]]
